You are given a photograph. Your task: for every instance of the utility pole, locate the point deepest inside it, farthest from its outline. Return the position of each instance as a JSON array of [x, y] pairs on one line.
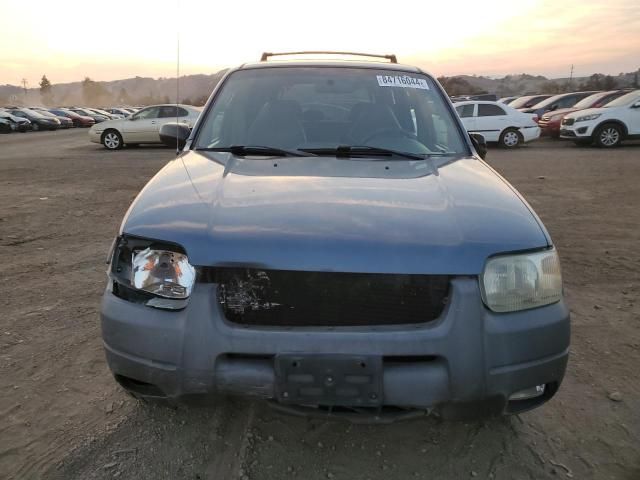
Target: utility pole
[[571, 75], [24, 88]]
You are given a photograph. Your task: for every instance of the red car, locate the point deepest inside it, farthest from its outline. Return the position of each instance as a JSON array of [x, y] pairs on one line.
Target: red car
[[550, 122], [78, 120]]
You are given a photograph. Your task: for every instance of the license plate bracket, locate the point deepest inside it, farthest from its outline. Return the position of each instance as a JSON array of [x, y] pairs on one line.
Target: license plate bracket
[[332, 380]]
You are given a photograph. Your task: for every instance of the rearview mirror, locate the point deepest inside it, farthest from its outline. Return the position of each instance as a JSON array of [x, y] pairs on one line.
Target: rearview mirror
[[479, 143], [174, 134]]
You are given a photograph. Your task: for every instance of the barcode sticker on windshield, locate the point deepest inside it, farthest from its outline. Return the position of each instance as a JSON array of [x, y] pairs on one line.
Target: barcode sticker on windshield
[[402, 81]]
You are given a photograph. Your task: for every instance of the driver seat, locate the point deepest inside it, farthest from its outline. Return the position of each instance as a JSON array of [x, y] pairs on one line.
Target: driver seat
[[369, 118], [278, 124]]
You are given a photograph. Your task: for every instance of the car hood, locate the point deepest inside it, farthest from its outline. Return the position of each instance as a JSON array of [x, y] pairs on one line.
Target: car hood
[[560, 111], [114, 123], [587, 111], [328, 214]]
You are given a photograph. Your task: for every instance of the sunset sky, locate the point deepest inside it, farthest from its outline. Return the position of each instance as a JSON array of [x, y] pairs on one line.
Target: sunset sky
[[114, 39]]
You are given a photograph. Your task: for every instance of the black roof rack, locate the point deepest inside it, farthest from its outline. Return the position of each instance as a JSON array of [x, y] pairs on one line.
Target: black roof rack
[[392, 58]]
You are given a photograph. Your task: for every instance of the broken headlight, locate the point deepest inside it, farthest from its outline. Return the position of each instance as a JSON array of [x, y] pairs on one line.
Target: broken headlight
[[163, 273], [519, 282], [153, 273]]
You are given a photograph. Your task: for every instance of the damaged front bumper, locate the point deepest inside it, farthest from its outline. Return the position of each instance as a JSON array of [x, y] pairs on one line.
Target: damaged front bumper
[[467, 362]]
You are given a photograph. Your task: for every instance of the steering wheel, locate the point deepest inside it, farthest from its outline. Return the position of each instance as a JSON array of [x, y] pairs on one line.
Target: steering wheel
[[389, 131]]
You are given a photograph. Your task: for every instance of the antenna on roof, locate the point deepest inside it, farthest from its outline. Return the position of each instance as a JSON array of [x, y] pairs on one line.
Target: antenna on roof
[[177, 77]]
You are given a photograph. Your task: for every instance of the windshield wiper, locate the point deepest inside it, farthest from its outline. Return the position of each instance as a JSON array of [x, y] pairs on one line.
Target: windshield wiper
[[359, 150], [244, 150]]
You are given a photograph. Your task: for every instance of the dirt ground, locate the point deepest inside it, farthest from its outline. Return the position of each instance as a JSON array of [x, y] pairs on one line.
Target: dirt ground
[[63, 417]]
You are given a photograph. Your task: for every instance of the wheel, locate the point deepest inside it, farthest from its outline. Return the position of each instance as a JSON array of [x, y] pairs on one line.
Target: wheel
[[112, 140], [608, 135], [510, 138]]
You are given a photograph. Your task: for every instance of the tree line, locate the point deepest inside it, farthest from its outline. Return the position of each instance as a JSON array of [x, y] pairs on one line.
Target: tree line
[[96, 94], [519, 85]]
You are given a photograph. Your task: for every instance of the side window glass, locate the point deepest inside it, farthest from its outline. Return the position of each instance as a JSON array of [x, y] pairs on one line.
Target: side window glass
[[147, 113], [169, 111], [489, 110], [465, 111]]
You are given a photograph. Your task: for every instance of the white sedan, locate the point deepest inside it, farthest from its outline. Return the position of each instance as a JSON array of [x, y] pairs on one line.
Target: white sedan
[[143, 126], [498, 122]]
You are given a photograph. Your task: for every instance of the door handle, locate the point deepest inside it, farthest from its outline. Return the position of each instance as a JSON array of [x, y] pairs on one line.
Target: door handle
[[153, 122]]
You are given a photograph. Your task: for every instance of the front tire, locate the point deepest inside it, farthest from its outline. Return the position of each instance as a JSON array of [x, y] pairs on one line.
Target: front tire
[[511, 138], [608, 135], [112, 140]]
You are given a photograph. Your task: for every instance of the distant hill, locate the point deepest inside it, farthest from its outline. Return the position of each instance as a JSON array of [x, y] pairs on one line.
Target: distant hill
[[524, 84], [195, 89]]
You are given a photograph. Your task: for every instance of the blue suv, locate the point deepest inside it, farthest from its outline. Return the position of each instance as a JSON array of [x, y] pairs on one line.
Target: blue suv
[[330, 240]]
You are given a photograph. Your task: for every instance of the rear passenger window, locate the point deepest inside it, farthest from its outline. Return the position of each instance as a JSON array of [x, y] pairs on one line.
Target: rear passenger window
[[170, 112], [465, 111], [489, 110]]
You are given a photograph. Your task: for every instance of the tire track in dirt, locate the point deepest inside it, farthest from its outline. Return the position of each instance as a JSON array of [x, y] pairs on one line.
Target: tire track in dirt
[[236, 435]]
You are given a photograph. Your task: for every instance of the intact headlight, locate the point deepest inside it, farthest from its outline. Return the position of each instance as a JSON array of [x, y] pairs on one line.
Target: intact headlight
[[586, 118], [519, 282], [163, 273]]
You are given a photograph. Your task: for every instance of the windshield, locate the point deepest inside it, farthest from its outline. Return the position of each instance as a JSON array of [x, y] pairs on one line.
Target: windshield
[[32, 113], [590, 100], [624, 100], [547, 101], [524, 101], [324, 108]]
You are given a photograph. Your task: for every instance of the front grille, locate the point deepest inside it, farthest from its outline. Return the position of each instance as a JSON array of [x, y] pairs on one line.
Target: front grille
[[568, 121], [305, 299]]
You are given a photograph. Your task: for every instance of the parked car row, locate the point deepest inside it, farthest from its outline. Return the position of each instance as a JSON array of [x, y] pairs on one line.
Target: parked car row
[[602, 118], [23, 119]]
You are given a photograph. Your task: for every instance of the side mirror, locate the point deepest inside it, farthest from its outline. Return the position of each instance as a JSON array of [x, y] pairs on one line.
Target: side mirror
[[479, 143], [174, 134], [132, 118], [553, 107], [636, 105]]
